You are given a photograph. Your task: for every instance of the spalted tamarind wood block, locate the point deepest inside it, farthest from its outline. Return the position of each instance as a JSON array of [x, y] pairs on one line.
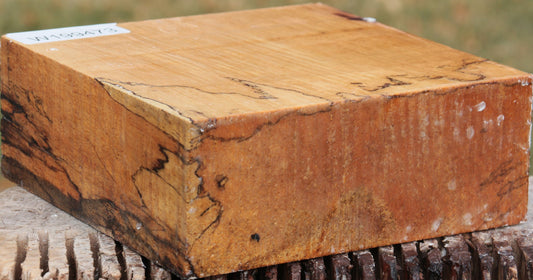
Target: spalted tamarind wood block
[[216, 143]]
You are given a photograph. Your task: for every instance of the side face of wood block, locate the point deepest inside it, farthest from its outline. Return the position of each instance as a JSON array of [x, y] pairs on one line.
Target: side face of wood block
[[232, 141]]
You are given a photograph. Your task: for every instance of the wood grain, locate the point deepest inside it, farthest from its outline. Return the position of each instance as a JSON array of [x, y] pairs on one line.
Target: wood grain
[[503, 253], [225, 142]]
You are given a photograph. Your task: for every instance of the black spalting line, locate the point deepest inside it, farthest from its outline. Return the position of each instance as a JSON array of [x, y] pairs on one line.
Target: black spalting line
[[280, 88], [80, 207], [181, 146], [31, 99], [15, 91], [399, 80], [266, 124], [329, 108], [15, 129], [214, 202], [200, 193], [253, 85], [436, 92], [512, 185], [393, 81], [261, 94], [155, 171], [90, 211], [162, 162], [101, 81], [500, 173], [465, 65], [103, 164]]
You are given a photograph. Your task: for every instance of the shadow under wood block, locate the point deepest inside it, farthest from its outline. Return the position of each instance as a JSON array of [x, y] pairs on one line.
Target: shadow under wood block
[[217, 143]]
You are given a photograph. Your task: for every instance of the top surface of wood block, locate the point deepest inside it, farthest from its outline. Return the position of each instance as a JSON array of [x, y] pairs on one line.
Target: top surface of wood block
[[221, 65]]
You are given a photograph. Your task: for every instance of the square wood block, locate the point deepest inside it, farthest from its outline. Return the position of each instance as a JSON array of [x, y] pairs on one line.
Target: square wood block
[[231, 141]]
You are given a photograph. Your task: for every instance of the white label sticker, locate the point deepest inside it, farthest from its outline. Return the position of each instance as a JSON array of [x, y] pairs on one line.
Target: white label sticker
[[67, 33]]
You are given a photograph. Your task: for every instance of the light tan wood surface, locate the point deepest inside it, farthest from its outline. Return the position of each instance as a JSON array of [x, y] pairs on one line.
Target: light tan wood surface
[[231, 141]]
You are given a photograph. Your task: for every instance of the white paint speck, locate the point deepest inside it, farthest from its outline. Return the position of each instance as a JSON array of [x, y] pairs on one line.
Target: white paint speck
[[470, 132], [467, 219], [480, 106], [332, 250], [452, 185], [138, 226], [524, 82], [53, 216], [425, 120], [487, 217], [456, 133], [500, 119], [211, 124], [192, 210], [369, 19], [438, 122], [436, 224], [53, 49], [408, 229]]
